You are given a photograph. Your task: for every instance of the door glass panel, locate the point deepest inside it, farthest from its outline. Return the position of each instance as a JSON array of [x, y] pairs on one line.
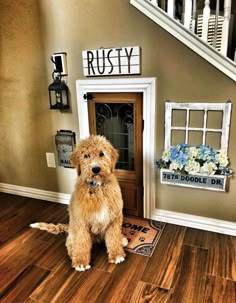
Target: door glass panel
[[115, 122]]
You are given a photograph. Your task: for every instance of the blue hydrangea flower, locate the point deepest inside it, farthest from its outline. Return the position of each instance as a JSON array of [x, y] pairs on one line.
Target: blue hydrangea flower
[[191, 159]]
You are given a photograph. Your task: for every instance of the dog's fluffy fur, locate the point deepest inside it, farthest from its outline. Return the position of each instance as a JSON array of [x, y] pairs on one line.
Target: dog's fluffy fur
[[95, 210]]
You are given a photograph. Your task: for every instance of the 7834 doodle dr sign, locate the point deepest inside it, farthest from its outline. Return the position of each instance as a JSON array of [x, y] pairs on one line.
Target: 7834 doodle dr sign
[[214, 182]]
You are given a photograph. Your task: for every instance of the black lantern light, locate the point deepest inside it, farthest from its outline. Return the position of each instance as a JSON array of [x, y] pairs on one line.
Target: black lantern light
[[58, 94]]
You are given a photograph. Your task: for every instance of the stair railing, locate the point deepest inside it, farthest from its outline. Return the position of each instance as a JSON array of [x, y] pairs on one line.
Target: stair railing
[[210, 24]]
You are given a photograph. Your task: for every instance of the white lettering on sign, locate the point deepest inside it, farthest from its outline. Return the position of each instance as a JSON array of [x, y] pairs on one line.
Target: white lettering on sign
[[111, 61], [211, 182]]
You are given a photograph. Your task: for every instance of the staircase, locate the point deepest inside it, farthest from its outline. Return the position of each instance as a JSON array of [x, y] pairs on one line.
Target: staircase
[[206, 35]]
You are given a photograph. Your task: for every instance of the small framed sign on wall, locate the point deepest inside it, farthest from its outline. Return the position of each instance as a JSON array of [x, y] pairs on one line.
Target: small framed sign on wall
[[111, 61]]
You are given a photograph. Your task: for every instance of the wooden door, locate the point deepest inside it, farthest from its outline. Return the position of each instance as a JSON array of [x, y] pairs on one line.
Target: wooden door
[[118, 116]]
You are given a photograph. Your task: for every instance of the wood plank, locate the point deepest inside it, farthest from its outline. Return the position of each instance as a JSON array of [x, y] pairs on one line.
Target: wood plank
[[222, 256], [9, 208], [55, 254], [24, 285], [11, 247], [124, 280], [161, 267], [197, 237], [17, 256], [8, 200], [189, 283], [145, 292], [24, 211], [21, 218], [82, 287], [49, 214], [220, 290], [59, 277], [29, 300], [233, 239]]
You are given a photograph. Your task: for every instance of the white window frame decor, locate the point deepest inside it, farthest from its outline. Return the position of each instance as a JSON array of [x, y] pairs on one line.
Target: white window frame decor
[[210, 182], [224, 130]]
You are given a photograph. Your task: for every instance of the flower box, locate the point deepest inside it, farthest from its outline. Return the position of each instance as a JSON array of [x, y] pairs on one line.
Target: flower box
[[197, 166], [209, 182]]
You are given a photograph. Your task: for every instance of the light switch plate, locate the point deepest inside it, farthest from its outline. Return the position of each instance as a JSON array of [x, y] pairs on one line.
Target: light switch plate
[[50, 157]]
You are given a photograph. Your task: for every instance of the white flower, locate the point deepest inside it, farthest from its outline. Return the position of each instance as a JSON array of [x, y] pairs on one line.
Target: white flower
[[195, 159], [192, 167], [209, 168], [222, 159], [174, 165], [193, 152], [166, 155]]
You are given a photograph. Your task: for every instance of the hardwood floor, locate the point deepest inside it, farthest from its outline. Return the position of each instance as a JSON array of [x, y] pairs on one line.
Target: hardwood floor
[[187, 266]]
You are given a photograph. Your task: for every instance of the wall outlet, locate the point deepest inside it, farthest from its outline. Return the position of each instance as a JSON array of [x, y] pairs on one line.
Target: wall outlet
[[60, 63], [50, 157]]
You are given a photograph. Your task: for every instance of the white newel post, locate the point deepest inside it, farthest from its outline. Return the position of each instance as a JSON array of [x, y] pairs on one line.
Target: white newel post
[[206, 16], [187, 13], [225, 31], [171, 8]]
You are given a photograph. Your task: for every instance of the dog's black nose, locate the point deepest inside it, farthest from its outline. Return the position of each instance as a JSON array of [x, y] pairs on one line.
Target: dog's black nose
[[96, 169]]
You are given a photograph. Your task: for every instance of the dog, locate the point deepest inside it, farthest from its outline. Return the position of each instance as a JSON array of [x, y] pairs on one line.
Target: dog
[[96, 205]]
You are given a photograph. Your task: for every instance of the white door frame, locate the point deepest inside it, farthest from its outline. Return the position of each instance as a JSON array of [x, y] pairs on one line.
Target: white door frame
[[147, 86]]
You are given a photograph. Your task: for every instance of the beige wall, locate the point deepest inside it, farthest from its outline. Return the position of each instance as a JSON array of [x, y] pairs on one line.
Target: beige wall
[[32, 30]]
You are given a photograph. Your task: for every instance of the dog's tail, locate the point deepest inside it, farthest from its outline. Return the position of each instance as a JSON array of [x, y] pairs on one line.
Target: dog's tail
[[50, 227]]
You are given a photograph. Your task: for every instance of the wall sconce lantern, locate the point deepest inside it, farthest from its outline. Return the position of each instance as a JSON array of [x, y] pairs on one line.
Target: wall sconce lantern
[[58, 94], [58, 90]]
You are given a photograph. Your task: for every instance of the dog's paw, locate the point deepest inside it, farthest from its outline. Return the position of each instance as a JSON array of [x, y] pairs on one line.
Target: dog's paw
[[124, 242], [117, 260], [82, 267]]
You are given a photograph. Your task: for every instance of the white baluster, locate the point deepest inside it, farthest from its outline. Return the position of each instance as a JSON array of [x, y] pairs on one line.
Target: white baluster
[[171, 8], [194, 16], [216, 23], [163, 5], [154, 2], [225, 31], [187, 13], [206, 16]]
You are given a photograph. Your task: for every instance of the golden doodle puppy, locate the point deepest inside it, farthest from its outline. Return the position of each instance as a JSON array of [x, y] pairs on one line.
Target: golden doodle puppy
[[95, 210]]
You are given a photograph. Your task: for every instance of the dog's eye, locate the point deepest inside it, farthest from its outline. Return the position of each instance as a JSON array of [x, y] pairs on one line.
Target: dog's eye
[[87, 156], [101, 154]]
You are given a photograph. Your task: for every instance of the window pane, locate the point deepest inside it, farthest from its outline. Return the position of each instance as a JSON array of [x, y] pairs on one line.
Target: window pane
[[213, 140], [177, 137], [195, 137], [214, 119], [196, 118], [179, 117], [115, 122]]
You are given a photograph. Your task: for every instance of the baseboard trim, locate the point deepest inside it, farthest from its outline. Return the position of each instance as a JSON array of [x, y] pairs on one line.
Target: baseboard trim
[[35, 193], [204, 223]]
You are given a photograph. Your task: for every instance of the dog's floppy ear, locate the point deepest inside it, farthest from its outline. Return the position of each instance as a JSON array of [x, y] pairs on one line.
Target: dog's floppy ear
[[74, 160], [114, 158]]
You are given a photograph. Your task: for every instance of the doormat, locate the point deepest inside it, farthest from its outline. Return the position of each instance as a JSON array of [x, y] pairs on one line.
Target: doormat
[[142, 235]]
